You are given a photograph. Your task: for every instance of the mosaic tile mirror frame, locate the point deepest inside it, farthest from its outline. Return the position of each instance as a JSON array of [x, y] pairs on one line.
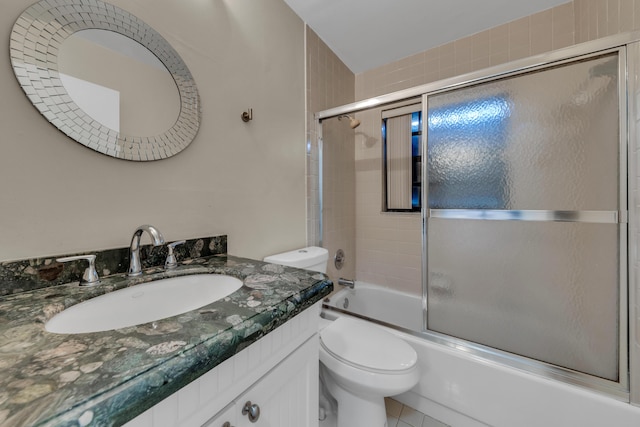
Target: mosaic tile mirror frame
[[36, 39]]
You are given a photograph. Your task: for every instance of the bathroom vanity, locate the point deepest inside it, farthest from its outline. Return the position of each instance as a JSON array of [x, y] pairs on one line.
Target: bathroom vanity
[[203, 367]]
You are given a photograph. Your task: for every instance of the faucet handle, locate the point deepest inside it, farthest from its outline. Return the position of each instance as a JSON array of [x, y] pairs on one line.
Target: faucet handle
[[171, 261], [90, 276]]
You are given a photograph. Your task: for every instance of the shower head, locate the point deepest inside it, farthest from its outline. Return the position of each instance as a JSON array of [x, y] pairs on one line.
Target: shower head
[[353, 123]]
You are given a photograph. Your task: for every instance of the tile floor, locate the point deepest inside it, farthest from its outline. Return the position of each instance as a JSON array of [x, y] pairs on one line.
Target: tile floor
[[399, 415]]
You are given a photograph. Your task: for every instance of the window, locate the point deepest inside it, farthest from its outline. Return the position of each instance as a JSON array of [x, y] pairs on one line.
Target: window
[[402, 160]]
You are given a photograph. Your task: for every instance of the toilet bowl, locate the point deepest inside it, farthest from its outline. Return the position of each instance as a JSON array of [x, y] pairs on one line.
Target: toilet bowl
[[360, 363]]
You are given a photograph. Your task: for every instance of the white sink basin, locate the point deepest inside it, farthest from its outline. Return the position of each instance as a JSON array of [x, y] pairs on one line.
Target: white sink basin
[[143, 303]]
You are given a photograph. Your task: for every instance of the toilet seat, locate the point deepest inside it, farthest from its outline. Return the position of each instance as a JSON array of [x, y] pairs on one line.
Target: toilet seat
[[367, 347]]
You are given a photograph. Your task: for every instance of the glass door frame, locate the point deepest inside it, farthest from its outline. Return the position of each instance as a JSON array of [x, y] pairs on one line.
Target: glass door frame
[[628, 389], [619, 389]]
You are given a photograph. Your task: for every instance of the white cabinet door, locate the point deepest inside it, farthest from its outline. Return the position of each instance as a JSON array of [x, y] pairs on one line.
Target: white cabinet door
[[287, 396]]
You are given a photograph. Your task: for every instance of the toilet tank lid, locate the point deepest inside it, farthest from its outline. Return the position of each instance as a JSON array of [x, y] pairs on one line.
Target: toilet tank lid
[[300, 257]]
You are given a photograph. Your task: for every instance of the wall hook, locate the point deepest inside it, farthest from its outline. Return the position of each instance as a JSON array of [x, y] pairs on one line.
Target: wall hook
[[247, 115]]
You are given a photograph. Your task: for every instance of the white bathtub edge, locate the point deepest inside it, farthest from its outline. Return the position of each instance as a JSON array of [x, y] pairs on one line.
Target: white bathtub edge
[[469, 392]]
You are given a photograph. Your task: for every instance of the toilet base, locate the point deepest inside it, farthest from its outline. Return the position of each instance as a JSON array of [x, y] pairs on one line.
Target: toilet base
[[362, 413], [356, 410]]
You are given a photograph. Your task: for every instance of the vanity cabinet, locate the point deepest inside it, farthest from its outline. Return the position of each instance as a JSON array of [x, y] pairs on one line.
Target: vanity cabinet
[[285, 397], [279, 373], [226, 418]]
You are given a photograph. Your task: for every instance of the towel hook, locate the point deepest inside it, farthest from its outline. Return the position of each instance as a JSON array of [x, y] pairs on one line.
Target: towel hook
[[247, 115]]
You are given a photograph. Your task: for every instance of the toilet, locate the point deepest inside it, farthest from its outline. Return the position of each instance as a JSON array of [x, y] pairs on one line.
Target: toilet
[[360, 363]]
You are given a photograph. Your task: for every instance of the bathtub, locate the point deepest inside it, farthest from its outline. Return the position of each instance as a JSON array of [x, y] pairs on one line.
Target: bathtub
[[373, 302], [463, 390]]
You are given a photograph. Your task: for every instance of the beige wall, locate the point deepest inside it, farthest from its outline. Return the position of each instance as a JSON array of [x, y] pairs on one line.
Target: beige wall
[[245, 180]]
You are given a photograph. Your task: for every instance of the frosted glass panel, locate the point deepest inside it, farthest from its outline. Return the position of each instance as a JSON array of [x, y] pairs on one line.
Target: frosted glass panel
[[543, 140], [547, 291]]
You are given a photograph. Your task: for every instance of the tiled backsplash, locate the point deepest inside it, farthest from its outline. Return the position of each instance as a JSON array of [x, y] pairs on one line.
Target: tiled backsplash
[[29, 274]]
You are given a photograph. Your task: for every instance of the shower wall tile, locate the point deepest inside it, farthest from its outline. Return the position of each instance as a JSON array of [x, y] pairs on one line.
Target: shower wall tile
[[541, 29], [462, 51], [447, 67], [613, 16], [499, 44], [481, 50], [329, 83], [519, 39], [603, 13], [563, 26], [627, 11], [597, 18]]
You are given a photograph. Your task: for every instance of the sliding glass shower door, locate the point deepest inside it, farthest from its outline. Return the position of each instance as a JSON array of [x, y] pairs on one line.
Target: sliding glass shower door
[[526, 217]]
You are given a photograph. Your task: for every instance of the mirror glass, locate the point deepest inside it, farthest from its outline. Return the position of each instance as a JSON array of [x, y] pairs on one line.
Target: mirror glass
[[105, 79], [118, 82]]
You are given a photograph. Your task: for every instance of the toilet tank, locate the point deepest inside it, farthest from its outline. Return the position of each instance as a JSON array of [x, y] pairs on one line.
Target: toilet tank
[[311, 258]]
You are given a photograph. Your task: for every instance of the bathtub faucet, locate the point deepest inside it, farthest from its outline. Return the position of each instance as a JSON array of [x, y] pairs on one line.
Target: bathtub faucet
[[346, 282]]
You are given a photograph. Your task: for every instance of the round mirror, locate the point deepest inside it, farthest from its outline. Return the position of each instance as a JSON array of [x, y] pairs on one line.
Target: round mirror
[[105, 79]]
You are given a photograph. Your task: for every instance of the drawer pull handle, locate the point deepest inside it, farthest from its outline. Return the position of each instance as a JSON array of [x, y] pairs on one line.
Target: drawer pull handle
[[252, 411]]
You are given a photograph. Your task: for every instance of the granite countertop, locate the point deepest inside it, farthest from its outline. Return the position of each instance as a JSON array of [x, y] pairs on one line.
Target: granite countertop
[[107, 378]]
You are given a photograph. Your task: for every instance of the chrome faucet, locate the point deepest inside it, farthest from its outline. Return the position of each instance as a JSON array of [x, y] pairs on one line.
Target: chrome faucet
[[134, 254]]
